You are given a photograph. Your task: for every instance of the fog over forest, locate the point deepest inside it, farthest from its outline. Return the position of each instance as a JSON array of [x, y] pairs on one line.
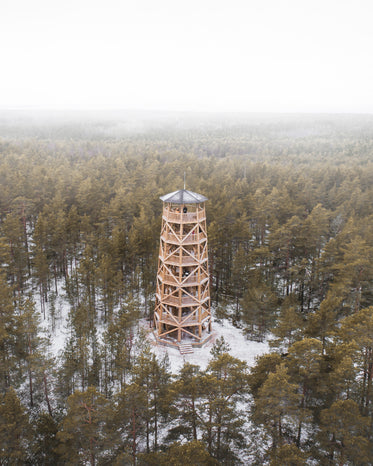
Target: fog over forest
[[44, 123]]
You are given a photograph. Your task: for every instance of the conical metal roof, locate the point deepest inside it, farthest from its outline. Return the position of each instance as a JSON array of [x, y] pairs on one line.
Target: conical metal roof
[[183, 196]]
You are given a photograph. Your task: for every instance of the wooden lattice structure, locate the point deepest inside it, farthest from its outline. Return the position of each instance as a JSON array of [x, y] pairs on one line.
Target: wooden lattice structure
[[182, 310]]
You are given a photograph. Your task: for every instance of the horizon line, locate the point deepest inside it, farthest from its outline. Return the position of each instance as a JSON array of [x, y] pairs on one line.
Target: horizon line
[[184, 111]]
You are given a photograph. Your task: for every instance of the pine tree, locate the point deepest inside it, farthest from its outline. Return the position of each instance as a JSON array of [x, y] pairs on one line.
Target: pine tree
[[44, 442], [118, 342], [82, 434], [277, 406], [193, 453], [131, 422], [32, 352], [264, 366], [290, 325], [219, 347], [259, 305], [14, 430], [344, 434], [8, 336], [357, 332], [13, 231], [222, 386], [323, 322], [288, 455], [42, 275], [107, 280], [153, 377], [353, 274], [87, 273], [184, 395], [239, 279], [305, 362]]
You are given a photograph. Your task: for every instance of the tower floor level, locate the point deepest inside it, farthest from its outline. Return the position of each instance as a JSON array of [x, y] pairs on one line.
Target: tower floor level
[[182, 310]]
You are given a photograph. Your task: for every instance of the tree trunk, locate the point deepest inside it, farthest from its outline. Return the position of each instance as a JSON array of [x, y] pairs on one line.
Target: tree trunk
[[30, 373], [92, 455], [155, 425], [133, 436], [46, 395], [218, 442], [194, 421]]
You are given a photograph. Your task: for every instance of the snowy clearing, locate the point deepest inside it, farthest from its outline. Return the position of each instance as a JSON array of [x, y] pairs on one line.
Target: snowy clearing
[[55, 326], [241, 347]]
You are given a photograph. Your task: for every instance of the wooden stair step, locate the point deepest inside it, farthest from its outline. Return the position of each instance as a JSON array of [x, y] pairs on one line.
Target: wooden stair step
[[186, 348]]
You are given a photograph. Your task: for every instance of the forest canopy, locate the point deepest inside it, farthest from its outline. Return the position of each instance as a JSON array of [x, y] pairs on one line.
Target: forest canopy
[[290, 231]]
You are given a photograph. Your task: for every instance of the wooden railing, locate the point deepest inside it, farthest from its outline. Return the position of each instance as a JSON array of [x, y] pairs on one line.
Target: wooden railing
[[180, 217], [193, 279], [192, 238], [185, 301], [190, 280], [185, 260], [167, 278], [185, 321]]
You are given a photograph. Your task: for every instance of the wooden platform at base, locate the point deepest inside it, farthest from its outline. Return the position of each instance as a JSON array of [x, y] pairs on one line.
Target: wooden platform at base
[[171, 343]]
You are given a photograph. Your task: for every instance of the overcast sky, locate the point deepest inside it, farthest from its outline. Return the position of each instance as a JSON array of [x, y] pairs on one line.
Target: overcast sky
[[193, 55]]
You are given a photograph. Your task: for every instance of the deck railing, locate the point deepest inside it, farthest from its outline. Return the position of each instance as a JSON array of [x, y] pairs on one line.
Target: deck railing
[[185, 260], [185, 301], [191, 238], [181, 217], [189, 280], [185, 321]]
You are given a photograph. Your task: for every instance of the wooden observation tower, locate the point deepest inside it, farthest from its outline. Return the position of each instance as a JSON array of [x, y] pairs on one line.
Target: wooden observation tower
[[182, 310]]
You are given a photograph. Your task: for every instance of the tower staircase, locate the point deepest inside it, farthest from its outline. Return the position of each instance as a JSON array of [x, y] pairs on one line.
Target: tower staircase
[[186, 348]]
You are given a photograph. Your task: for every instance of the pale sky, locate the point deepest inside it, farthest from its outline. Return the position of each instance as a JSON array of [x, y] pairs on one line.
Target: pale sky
[[188, 55]]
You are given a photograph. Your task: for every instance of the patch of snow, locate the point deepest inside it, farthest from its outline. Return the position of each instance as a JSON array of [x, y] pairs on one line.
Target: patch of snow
[[55, 327], [241, 347]]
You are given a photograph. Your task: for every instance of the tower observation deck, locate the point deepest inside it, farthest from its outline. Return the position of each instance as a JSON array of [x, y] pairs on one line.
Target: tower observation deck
[[182, 309]]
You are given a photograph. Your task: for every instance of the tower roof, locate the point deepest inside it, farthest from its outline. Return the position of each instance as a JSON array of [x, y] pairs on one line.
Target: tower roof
[[183, 196]]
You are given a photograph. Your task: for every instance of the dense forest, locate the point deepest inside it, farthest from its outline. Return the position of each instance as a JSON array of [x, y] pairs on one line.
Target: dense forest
[[290, 229]]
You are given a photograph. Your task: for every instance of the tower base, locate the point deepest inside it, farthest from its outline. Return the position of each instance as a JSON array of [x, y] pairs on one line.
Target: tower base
[[172, 343]]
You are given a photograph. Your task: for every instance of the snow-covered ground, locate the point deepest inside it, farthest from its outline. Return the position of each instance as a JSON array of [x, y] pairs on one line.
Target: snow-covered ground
[[56, 328], [241, 347]]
